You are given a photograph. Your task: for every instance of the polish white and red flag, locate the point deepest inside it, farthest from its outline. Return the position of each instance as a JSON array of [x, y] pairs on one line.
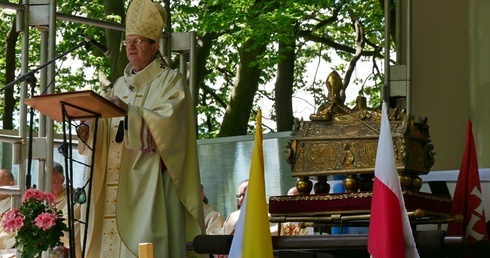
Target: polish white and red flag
[[467, 200], [390, 234]]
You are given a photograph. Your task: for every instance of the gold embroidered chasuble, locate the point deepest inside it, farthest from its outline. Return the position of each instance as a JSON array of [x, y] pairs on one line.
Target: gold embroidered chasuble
[[134, 200]]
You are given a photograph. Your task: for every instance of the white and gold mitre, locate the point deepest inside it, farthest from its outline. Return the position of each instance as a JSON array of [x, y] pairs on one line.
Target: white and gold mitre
[[145, 18]]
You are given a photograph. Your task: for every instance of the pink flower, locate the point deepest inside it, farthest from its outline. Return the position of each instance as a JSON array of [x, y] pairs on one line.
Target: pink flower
[[41, 233], [34, 194], [45, 220], [49, 197], [12, 220]]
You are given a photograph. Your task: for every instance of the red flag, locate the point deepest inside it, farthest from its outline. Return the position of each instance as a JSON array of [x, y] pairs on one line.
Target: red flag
[[390, 234], [467, 199]]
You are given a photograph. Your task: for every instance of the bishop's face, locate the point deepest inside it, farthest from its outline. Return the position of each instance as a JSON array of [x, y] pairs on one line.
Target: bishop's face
[[141, 51]]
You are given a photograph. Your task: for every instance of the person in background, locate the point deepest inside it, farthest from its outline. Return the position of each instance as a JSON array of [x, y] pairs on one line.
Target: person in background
[[295, 228], [146, 180], [212, 219], [232, 219], [58, 189], [230, 223], [7, 240], [293, 191]]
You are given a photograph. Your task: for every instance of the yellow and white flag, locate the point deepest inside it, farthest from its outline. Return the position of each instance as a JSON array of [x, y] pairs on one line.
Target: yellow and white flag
[[252, 237]]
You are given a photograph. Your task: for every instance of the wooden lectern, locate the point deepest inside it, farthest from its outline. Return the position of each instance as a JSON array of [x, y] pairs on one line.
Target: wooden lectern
[[66, 108], [78, 105]]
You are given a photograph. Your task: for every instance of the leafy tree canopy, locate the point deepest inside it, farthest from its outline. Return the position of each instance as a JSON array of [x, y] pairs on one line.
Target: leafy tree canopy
[[228, 31]]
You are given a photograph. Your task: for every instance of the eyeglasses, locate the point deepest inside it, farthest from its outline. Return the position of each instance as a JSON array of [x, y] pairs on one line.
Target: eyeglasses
[[133, 41], [240, 196]]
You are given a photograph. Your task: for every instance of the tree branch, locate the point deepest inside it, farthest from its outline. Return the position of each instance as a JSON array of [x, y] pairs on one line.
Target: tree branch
[[360, 41], [308, 35], [209, 91]]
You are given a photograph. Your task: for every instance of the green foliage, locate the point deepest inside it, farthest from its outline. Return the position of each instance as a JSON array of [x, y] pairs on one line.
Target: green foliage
[[322, 30], [91, 60]]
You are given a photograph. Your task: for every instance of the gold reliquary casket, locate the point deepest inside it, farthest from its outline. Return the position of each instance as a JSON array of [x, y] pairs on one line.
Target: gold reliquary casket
[[340, 143], [324, 148], [343, 141]]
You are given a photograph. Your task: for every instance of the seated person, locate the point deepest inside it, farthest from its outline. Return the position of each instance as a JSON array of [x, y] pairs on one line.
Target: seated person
[[232, 219], [7, 240], [212, 219], [295, 228]]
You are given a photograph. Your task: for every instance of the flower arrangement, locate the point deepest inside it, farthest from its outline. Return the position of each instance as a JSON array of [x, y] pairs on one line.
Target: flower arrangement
[[38, 223]]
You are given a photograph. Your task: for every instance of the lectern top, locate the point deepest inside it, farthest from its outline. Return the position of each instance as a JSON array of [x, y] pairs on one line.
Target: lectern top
[[78, 105]]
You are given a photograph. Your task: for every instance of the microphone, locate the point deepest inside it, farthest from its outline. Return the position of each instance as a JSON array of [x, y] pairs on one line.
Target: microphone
[[104, 50]]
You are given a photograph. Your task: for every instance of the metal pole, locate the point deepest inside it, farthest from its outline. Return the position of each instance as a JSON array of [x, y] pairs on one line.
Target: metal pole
[[398, 24], [192, 74], [50, 90], [21, 180], [43, 78], [68, 17], [23, 93], [409, 57], [385, 91]]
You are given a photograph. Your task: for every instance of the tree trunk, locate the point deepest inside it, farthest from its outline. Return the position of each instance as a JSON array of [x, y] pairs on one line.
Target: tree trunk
[[203, 49], [237, 115], [9, 100], [118, 59], [284, 86]]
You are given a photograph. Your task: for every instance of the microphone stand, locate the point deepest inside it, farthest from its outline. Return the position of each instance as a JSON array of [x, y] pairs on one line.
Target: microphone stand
[[33, 71], [29, 77]]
